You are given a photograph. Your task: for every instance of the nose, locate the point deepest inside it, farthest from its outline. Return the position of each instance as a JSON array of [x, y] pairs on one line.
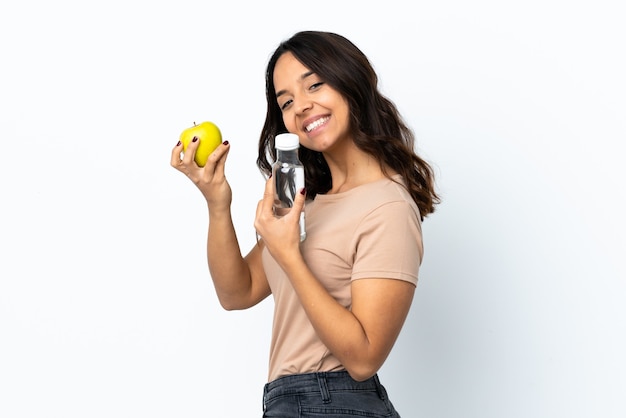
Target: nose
[[302, 104]]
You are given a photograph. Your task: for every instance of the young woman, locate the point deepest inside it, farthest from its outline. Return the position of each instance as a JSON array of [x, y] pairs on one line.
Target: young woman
[[342, 295]]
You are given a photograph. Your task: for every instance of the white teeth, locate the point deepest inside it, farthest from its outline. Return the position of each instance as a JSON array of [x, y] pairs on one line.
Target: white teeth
[[315, 124]]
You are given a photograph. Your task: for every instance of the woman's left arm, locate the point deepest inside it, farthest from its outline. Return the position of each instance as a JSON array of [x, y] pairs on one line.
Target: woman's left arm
[[361, 337]]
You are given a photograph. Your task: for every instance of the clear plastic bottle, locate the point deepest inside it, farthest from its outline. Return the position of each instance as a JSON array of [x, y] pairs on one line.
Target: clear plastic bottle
[[288, 175]]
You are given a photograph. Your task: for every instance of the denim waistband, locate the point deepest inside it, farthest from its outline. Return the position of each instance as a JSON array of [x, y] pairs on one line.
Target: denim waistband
[[322, 382]]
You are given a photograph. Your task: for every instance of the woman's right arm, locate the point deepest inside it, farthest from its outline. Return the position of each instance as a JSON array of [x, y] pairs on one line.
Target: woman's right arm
[[239, 282]]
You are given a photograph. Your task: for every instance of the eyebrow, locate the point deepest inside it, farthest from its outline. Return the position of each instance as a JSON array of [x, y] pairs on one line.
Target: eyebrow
[[302, 77]]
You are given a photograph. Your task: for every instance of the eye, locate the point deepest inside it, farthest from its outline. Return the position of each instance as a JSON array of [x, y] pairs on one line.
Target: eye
[[285, 105], [316, 86]]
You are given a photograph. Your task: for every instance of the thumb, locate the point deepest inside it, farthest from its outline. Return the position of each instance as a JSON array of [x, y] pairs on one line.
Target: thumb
[[298, 203]]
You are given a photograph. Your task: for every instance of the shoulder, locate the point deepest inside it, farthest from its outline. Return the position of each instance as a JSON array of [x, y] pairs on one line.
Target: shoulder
[[381, 203], [389, 195]]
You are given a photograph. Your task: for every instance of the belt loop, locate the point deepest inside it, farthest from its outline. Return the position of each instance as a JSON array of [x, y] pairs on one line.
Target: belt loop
[[382, 393], [321, 379]]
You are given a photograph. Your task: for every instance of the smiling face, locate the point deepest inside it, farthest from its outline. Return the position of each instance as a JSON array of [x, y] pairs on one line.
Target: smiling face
[[312, 109]]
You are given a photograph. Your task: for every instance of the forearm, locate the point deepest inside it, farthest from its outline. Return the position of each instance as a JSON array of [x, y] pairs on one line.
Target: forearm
[[229, 271]]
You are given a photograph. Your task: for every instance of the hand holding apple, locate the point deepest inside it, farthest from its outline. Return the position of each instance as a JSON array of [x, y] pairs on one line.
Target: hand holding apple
[[209, 136]]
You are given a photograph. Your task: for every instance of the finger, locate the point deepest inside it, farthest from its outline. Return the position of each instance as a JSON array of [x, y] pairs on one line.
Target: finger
[[175, 160], [264, 209], [257, 217], [268, 197], [190, 152], [217, 160], [298, 203]]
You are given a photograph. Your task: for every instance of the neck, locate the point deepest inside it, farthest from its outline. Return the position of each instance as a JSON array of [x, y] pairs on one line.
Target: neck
[[351, 167]]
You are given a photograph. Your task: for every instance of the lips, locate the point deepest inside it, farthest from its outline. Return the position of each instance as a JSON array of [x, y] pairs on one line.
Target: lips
[[316, 123]]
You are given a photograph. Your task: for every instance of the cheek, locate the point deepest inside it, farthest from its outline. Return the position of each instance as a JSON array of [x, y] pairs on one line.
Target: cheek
[[289, 121]]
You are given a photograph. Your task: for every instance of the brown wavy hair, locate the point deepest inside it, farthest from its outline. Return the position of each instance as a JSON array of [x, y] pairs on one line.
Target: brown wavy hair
[[375, 123]]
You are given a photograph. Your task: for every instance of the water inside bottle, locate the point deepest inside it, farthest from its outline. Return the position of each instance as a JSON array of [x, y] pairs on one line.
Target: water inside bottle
[[286, 188]]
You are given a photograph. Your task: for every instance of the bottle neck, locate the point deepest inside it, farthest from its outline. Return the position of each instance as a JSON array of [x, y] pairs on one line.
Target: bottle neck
[[287, 156]]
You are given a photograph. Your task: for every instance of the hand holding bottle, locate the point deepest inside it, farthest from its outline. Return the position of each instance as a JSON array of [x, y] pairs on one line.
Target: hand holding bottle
[[280, 234]]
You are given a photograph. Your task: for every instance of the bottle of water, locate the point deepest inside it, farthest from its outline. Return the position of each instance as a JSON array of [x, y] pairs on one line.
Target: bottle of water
[[288, 175]]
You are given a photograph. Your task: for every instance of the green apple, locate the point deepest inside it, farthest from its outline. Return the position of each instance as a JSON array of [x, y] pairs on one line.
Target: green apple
[[208, 135]]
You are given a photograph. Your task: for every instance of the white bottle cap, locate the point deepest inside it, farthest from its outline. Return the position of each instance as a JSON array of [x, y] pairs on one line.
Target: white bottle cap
[[287, 141]]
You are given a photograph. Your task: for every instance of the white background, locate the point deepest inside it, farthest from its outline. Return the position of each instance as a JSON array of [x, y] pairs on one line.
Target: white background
[[106, 305]]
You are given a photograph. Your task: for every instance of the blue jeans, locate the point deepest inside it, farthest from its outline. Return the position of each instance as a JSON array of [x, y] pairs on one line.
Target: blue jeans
[[326, 394]]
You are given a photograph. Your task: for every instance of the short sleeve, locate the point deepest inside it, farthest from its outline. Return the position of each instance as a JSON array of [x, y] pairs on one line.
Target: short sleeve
[[389, 243]]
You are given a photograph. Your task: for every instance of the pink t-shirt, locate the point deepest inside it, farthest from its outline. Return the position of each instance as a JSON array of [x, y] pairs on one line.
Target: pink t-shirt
[[370, 231]]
